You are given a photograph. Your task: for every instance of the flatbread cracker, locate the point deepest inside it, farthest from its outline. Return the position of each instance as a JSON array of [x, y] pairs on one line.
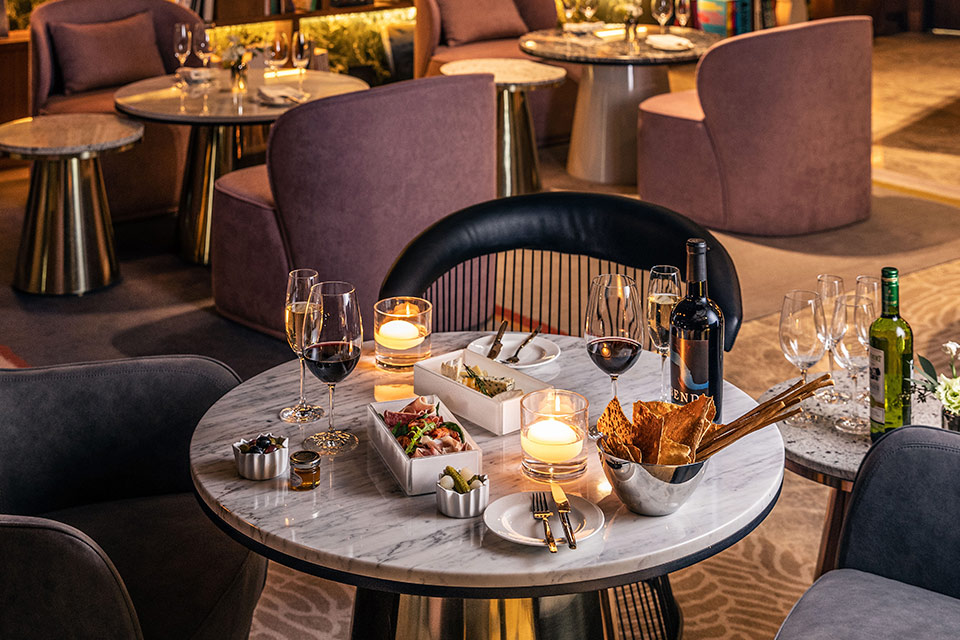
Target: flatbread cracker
[[688, 424], [672, 452], [649, 431]]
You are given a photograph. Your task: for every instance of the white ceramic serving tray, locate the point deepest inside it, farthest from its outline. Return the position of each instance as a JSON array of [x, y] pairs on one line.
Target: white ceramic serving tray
[[417, 476], [496, 416]]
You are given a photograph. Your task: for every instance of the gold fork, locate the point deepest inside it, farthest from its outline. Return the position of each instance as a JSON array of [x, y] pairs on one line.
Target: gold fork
[[543, 513]]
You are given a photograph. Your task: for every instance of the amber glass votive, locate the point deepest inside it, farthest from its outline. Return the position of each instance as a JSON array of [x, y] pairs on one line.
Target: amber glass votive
[[401, 331], [553, 431]]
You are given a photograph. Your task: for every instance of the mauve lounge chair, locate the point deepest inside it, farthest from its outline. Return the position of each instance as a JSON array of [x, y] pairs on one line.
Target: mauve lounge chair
[[349, 181], [101, 534], [775, 140], [104, 55]]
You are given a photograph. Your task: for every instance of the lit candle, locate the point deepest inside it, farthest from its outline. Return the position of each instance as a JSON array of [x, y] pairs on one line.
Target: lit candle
[[551, 441], [399, 335]]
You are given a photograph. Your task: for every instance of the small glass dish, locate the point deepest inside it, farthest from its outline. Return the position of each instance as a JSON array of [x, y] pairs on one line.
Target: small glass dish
[[261, 466], [463, 505]]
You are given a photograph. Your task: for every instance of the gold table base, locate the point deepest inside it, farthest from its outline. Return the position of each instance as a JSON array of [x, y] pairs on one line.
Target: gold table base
[[518, 166], [66, 246]]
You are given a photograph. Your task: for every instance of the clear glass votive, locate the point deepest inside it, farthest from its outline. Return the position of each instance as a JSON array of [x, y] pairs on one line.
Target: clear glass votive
[[553, 431], [401, 331]]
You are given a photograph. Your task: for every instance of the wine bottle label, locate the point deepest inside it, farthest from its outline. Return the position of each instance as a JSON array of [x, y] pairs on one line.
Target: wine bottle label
[[689, 369], [877, 404]]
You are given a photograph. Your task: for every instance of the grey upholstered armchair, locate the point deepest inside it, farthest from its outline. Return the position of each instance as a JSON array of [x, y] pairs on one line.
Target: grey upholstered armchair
[[899, 560], [100, 535]]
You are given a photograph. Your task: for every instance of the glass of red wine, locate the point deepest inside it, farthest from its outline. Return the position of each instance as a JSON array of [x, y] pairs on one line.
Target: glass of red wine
[[614, 325], [332, 338]]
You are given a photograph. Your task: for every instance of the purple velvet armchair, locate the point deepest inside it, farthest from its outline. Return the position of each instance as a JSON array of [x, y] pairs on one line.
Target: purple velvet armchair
[[552, 109], [349, 182], [775, 139], [163, 149]]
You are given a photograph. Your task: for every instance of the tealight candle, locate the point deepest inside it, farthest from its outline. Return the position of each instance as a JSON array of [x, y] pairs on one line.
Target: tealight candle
[[401, 331], [552, 441], [553, 427], [399, 335]]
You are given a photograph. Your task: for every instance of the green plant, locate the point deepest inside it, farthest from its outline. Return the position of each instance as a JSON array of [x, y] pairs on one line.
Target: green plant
[[946, 389], [18, 11]]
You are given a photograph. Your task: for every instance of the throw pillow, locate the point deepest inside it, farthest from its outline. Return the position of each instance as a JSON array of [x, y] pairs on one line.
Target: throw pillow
[[106, 54], [474, 20]]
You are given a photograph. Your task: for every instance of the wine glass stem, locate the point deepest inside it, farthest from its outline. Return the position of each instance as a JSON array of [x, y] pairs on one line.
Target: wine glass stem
[[330, 387], [663, 377], [613, 379], [300, 80], [303, 368], [856, 392]]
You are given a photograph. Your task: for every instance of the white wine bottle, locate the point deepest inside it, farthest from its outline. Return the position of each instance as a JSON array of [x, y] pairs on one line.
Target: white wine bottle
[[891, 361]]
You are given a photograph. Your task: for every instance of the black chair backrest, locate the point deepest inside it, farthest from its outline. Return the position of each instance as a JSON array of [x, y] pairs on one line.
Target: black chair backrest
[[904, 510], [530, 259]]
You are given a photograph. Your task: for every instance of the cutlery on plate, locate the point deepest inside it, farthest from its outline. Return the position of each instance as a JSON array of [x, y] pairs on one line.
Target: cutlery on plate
[[515, 358], [497, 341], [563, 508], [542, 512]]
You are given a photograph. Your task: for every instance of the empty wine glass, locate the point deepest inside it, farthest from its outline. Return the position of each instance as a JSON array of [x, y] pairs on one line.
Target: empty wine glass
[[300, 53], [202, 45], [801, 319], [334, 332], [276, 52], [569, 10], [589, 9], [663, 293], [682, 10], [851, 354], [299, 284], [662, 11], [182, 36], [868, 289], [830, 288]]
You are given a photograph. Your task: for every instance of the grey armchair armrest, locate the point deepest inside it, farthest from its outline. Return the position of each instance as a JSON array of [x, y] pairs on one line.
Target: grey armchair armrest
[[112, 430]]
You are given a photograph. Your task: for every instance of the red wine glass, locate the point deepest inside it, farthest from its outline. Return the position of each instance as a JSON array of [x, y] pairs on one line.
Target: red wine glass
[[333, 338]]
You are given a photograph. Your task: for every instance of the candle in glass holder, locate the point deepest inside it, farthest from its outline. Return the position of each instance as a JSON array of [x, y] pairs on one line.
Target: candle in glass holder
[[553, 427], [401, 331]]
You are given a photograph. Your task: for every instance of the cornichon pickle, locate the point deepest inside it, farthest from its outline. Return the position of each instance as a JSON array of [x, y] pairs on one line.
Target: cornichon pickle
[[459, 484]]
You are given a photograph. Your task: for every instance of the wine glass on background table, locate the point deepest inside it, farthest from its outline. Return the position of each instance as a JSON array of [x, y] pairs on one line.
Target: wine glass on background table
[[300, 52], [569, 10], [682, 10], [202, 45], [336, 337], [613, 327], [851, 354], [663, 293], [182, 38], [589, 9], [295, 310], [801, 320], [276, 52], [830, 288], [662, 11]]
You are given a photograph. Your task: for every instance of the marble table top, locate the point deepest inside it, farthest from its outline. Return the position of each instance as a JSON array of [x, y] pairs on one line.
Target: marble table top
[[589, 48], [818, 450], [214, 103], [360, 528], [509, 72], [68, 135]]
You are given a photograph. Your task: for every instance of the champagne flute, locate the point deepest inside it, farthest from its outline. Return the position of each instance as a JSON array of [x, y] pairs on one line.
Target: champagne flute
[[589, 9], [801, 320], [334, 332], [868, 290], [662, 11], [182, 37], [613, 327], [682, 11], [202, 45], [830, 288], [295, 310], [663, 293], [851, 354], [277, 51], [300, 53]]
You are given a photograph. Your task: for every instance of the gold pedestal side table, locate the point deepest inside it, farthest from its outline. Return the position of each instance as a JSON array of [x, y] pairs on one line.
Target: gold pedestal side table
[[518, 167], [66, 246]]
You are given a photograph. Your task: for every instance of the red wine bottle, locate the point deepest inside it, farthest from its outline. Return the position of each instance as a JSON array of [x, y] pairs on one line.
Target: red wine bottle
[[696, 336]]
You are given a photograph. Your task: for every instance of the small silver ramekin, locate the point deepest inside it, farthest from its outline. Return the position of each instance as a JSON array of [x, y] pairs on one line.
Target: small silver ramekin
[[261, 466], [651, 489], [463, 505]]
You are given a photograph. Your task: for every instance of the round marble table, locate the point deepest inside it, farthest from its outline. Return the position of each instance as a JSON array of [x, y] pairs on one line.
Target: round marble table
[[617, 76], [215, 114], [360, 528], [518, 167], [66, 246], [818, 451]]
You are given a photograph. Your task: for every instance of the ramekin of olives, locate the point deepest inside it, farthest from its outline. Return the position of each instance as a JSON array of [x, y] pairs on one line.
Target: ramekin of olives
[[262, 457]]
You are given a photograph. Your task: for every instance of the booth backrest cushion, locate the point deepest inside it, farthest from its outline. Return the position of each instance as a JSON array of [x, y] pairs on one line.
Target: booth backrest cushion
[[538, 14], [474, 20], [106, 54]]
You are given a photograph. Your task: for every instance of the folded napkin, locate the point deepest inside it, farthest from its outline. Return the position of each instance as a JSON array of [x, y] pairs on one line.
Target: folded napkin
[[668, 42], [582, 27], [196, 75], [280, 95]]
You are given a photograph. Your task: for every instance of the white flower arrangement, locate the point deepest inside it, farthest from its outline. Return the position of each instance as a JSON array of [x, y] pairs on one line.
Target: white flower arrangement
[[945, 389]]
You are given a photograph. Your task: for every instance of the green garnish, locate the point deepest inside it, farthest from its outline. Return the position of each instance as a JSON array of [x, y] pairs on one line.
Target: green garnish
[[481, 385]]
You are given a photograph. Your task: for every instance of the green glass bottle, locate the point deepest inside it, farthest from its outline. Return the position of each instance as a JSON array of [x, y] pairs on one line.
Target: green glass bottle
[[891, 361]]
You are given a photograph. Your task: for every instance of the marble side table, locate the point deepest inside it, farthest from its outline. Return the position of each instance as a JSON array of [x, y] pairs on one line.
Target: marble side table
[[518, 166], [66, 246], [818, 451]]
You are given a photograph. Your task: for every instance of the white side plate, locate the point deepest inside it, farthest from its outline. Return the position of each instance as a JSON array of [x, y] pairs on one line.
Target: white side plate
[[510, 518], [539, 351]]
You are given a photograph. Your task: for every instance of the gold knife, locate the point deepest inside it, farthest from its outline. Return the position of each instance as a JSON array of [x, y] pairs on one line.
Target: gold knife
[[497, 344], [563, 508]]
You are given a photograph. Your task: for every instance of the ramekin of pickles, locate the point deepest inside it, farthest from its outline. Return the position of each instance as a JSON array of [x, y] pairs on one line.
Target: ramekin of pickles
[[461, 493]]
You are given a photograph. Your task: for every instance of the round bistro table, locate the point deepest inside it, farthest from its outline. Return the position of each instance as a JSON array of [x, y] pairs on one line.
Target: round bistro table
[[455, 575], [66, 246], [518, 167], [215, 114], [818, 451], [617, 76]]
